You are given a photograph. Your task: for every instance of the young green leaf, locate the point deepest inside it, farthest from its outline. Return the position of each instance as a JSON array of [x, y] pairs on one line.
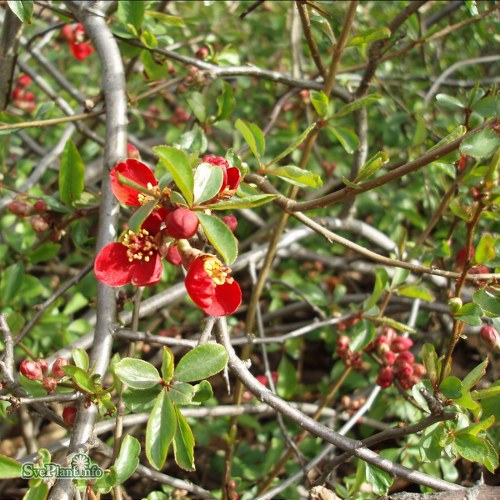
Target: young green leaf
[[381, 282], [220, 236], [449, 101], [471, 447], [10, 284], [470, 314], [82, 379], [294, 145], [203, 392], [358, 104], [80, 357], [181, 393], [475, 375], [174, 21], [364, 333], [430, 359], [140, 215], [487, 302], [131, 12], [296, 176], [320, 102], [451, 387], [369, 36], [23, 9], [177, 164], [137, 373], [455, 134], [198, 105], [71, 174], [347, 138], [167, 364], [128, 459], [485, 250], [253, 137], [481, 145], [160, 430], [201, 362], [183, 443], [207, 182], [225, 102], [9, 468], [246, 202], [372, 166], [141, 400], [416, 292]]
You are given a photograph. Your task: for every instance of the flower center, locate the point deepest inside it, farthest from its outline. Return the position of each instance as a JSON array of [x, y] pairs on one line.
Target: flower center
[[144, 198], [140, 246], [217, 271]]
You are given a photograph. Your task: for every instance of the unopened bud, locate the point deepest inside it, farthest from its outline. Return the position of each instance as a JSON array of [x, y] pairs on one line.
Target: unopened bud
[[455, 304], [69, 415], [173, 256], [231, 222], [40, 206], [20, 208], [49, 384], [181, 223], [39, 224], [400, 344], [385, 377], [57, 371], [31, 369], [490, 337]]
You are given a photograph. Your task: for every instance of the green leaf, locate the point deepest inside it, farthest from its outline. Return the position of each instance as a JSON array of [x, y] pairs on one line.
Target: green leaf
[[477, 427], [181, 393], [487, 302], [456, 134], [247, 202], [253, 137], [82, 379], [485, 250], [372, 166], [471, 447], [71, 174], [487, 107], [429, 357], [38, 491], [201, 362], [358, 104], [378, 479], [381, 281], [131, 12], [220, 236], [23, 9], [128, 459], [451, 387], [183, 443], [207, 182], [203, 392], [481, 145], [347, 138], [416, 292], [369, 36], [167, 364], [80, 357], [402, 327], [472, 6], [364, 333], [294, 145], [320, 102], [470, 314], [175, 21], [160, 430], [140, 400], [287, 379], [449, 102], [137, 373], [474, 376], [349, 184], [491, 458], [11, 282], [44, 252], [9, 468], [154, 70], [297, 176], [177, 164], [198, 105], [487, 393], [226, 102], [140, 215]]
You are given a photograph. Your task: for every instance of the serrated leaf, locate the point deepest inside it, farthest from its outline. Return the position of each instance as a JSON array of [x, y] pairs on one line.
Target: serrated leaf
[[201, 362], [449, 101], [160, 430], [372, 166], [294, 145], [481, 145], [207, 182], [9, 468], [487, 106], [470, 314], [477, 427], [358, 104], [71, 174], [451, 387], [167, 364], [177, 164], [379, 480], [23, 9], [80, 357], [183, 443], [369, 36], [487, 302], [82, 379], [485, 250], [140, 215], [474, 376], [491, 458], [246, 202], [225, 102], [416, 292], [253, 138], [347, 137], [181, 393], [320, 102], [128, 459], [297, 176], [471, 447], [220, 236], [137, 373]]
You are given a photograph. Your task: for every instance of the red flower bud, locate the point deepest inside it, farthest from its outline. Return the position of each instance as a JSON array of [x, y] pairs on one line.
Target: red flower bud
[[181, 223], [39, 224], [405, 357], [20, 208], [133, 152], [490, 337], [461, 257], [388, 358], [400, 344], [40, 206], [404, 370], [408, 383], [173, 256], [31, 369], [49, 384], [29, 96], [418, 370], [69, 415], [262, 379], [231, 222], [390, 334], [23, 81], [44, 366], [57, 370], [385, 377], [202, 53]]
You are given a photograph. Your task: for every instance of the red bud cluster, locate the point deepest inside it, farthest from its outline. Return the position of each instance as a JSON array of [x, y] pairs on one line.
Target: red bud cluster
[[348, 357], [39, 370], [22, 98], [398, 363]]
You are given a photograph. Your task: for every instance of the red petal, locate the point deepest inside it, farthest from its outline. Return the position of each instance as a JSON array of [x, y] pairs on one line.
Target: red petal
[[112, 266], [226, 300], [233, 178], [81, 51], [199, 284], [154, 220], [137, 172], [147, 273]]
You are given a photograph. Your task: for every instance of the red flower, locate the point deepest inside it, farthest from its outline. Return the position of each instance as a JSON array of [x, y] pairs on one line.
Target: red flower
[[231, 179], [138, 173], [133, 152], [77, 38], [136, 259], [210, 287]]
